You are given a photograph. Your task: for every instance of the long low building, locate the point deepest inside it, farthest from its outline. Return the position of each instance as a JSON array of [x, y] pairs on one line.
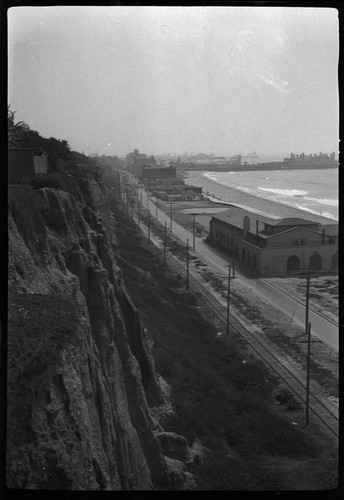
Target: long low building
[[274, 246]]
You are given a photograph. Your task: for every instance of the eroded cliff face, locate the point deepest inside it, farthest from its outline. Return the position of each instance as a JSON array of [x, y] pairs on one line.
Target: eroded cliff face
[[82, 387]]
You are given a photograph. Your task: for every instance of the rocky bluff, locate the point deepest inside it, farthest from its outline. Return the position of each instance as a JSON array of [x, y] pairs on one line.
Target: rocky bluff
[[82, 387]]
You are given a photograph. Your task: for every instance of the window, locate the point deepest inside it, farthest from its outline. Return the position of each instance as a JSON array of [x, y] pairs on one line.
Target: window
[[303, 242], [295, 243]]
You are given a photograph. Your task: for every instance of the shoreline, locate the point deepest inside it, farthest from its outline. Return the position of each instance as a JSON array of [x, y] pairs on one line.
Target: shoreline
[[226, 194]]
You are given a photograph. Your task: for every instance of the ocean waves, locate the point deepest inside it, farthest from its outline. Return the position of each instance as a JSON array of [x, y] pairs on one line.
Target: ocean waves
[[315, 191], [284, 192], [325, 201]]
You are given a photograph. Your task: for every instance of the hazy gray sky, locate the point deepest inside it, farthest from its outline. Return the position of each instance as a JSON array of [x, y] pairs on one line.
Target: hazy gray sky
[[223, 80]]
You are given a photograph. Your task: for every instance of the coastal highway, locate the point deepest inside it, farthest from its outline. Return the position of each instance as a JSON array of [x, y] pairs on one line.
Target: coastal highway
[[323, 329]]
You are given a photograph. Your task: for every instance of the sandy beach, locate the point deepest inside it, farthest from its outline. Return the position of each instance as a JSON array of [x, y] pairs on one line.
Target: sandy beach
[[185, 212]]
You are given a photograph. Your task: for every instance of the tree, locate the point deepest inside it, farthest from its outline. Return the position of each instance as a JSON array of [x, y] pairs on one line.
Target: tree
[[16, 131]]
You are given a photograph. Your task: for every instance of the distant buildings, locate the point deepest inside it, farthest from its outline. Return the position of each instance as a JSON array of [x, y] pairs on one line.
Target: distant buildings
[[275, 246], [177, 192], [136, 161], [162, 181]]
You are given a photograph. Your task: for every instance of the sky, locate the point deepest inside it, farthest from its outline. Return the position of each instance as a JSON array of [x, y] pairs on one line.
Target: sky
[[221, 80]]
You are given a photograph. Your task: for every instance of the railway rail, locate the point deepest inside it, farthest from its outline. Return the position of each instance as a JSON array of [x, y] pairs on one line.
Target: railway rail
[[323, 410], [299, 301]]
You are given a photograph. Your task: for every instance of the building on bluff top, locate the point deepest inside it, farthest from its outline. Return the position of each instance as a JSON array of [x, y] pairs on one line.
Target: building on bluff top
[[275, 246], [25, 163]]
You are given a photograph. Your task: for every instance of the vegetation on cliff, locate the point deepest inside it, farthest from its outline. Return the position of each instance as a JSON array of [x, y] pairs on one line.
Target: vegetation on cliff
[[87, 409], [220, 394], [77, 401]]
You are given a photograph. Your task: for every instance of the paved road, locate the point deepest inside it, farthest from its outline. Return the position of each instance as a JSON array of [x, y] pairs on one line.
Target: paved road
[[320, 327]]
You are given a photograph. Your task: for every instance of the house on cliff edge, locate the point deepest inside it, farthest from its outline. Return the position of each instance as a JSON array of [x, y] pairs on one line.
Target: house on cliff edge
[[24, 164]]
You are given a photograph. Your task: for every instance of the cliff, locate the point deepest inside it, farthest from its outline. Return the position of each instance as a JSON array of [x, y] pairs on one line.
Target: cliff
[[82, 386]]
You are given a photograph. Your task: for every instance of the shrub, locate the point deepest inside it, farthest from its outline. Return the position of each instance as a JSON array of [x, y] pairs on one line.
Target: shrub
[[43, 181], [39, 326]]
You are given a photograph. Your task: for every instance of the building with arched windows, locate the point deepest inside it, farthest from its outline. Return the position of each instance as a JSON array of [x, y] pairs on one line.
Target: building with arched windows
[[275, 246]]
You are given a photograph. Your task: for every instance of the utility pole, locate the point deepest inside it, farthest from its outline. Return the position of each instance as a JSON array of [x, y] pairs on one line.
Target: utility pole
[[228, 298], [307, 300], [229, 278], [165, 238], [193, 231], [171, 216], [187, 264], [308, 333], [126, 201], [233, 259], [148, 227], [308, 336], [308, 371]]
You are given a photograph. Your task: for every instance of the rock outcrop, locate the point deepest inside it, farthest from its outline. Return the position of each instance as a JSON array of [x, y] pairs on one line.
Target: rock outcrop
[[81, 377]]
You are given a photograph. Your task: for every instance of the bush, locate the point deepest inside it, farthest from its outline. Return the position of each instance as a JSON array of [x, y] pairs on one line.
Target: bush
[[221, 471], [39, 326], [48, 180]]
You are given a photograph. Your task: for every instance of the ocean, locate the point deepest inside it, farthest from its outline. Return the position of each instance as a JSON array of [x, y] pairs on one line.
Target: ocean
[[315, 191]]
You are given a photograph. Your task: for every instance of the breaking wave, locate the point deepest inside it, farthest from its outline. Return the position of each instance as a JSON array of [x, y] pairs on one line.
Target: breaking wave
[[284, 192], [325, 201], [316, 212]]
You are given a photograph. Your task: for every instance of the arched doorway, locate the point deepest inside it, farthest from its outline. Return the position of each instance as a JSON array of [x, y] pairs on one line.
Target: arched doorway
[[293, 263], [334, 261], [315, 261]]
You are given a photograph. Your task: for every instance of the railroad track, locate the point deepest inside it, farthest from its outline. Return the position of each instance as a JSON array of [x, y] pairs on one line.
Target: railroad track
[[324, 412], [299, 301]]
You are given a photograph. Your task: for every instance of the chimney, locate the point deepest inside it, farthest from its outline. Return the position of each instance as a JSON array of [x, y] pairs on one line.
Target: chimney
[[323, 236], [257, 228]]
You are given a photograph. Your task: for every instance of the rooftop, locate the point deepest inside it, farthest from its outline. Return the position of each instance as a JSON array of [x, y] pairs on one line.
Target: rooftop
[[292, 221], [235, 217]]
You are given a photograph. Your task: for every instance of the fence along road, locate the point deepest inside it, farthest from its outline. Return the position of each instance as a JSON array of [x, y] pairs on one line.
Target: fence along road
[[322, 328]]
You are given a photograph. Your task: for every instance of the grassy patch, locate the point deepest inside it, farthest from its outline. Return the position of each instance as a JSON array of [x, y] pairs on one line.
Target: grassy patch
[[39, 326], [217, 398]]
